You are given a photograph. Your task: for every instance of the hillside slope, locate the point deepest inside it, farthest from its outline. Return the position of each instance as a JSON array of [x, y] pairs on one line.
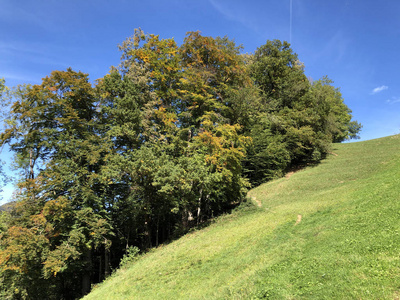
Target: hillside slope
[[325, 232]]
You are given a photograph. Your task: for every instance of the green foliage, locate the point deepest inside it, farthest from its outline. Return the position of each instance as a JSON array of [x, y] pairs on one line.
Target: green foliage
[[268, 155], [298, 120], [279, 75], [130, 257], [332, 117]]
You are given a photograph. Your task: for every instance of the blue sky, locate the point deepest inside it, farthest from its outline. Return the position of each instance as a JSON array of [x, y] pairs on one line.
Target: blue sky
[[354, 42]]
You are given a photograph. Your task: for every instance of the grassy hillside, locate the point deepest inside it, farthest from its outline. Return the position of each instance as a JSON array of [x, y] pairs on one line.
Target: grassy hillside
[[325, 232]]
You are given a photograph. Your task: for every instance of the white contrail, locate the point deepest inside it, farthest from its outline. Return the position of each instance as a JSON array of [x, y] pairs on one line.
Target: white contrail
[[290, 29]]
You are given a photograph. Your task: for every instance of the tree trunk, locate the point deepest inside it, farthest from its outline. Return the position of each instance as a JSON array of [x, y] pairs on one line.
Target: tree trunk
[[31, 174], [185, 222], [199, 207], [106, 262], [100, 268], [87, 273], [158, 223], [147, 233]]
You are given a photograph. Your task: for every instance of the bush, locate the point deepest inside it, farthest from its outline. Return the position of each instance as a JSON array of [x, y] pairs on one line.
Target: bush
[[131, 255]]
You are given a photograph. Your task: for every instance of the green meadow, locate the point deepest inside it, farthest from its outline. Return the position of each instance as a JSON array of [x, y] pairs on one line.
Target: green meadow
[[330, 231]]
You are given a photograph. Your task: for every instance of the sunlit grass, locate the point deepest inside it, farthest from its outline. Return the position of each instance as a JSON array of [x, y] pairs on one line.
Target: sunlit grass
[[327, 232]]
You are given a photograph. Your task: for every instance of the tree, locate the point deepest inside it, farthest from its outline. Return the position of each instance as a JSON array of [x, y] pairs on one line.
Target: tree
[[297, 120], [4, 102], [54, 127], [333, 116], [279, 75]]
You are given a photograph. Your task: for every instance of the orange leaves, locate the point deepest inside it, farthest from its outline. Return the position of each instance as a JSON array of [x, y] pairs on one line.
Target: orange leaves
[[57, 209], [38, 220], [20, 246], [160, 59], [168, 119], [224, 146]]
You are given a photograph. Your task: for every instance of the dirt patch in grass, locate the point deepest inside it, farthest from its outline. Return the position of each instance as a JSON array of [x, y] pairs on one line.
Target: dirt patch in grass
[[259, 204], [298, 219], [289, 174]]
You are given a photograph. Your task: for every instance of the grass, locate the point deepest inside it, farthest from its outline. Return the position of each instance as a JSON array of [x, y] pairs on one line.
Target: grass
[[326, 232]]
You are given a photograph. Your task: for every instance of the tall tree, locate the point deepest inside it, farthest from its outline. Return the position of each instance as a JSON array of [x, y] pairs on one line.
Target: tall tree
[[297, 120], [4, 102], [54, 125]]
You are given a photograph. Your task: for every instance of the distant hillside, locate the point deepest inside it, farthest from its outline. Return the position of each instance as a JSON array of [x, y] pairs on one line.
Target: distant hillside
[[7, 206], [325, 232]]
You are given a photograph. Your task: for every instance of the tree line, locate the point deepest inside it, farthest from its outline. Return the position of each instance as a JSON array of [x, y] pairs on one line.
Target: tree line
[[170, 138]]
